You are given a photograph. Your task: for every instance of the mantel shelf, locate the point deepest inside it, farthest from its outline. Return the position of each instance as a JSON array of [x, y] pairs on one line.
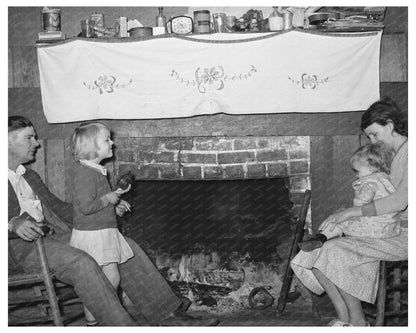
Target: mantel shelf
[[217, 37]]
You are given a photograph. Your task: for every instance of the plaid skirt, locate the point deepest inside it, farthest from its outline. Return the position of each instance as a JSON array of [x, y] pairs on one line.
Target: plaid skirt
[[351, 263]]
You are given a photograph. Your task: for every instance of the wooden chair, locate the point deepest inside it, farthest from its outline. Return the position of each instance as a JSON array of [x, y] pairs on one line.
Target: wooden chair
[[27, 290], [392, 296], [288, 276]]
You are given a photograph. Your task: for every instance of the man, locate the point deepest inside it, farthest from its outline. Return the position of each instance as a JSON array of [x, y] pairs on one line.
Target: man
[[32, 205]]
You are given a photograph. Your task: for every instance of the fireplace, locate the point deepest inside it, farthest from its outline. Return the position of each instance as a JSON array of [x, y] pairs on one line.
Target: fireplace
[[216, 215]]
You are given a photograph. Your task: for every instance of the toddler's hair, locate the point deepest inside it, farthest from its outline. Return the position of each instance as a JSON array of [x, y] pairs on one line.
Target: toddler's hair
[[84, 140], [377, 155]]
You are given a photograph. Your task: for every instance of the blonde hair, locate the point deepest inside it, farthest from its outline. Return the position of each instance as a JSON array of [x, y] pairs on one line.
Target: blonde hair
[[377, 155], [84, 140]]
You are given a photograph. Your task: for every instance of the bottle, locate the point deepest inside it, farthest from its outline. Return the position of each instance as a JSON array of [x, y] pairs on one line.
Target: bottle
[[275, 20], [160, 18]]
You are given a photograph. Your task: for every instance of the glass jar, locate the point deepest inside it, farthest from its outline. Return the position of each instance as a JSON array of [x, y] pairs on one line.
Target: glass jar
[[275, 20]]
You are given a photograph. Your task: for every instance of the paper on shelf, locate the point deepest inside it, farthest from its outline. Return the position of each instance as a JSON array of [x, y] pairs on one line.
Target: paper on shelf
[[133, 24]]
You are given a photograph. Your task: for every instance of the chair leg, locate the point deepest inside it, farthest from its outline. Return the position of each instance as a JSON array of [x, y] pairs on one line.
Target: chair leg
[[53, 301], [381, 296]]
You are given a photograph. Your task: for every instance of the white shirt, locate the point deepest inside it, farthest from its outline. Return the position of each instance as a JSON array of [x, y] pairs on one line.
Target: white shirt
[[28, 200]]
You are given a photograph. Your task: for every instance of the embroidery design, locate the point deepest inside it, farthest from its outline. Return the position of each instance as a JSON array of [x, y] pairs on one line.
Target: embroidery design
[[308, 81], [213, 77], [106, 83]]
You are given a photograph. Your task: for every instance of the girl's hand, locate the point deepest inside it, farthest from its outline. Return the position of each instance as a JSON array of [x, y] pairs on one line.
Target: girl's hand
[[122, 207], [112, 198], [120, 191]]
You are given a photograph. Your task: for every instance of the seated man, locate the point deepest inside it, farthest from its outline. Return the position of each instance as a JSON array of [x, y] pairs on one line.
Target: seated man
[[31, 204]]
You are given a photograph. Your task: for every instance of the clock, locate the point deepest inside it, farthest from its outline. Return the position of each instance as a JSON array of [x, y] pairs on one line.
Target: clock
[[181, 25]]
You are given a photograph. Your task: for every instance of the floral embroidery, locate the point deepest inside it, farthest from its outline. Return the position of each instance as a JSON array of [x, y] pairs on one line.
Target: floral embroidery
[[309, 81], [214, 77], [209, 76], [106, 83]]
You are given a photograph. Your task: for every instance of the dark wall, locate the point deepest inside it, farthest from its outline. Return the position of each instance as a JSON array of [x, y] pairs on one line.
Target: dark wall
[[334, 136]]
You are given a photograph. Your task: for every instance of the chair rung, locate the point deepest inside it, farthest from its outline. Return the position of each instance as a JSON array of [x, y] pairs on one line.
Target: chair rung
[[395, 313], [28, 299], [25, 279], [397, 287]]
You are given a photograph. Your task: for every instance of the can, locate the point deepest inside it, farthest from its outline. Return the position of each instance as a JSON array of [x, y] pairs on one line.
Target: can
[[86, 29], [51, 19], [202, 21], [219, 22], [97, 21], [287, 20]]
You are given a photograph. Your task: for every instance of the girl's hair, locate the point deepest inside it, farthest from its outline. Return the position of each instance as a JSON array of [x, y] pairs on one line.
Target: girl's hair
[[382, 112], [84, 140], [377, 155]]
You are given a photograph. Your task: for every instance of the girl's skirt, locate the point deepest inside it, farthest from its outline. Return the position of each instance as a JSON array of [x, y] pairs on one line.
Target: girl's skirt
[[105, 246]]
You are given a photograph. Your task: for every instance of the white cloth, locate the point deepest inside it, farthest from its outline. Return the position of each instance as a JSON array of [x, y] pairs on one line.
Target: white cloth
[[28, 200], [95, 166], [105, 245], [180, 77]]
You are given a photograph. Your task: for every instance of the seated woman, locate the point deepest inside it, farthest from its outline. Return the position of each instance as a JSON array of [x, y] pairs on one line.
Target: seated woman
[[347, 268]]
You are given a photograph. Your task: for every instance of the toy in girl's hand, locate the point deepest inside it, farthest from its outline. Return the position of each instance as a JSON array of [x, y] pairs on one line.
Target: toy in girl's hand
[[124, 183]]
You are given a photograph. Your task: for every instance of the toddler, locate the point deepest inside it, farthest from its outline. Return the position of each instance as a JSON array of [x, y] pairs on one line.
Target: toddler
[[95, 224], [371, 163]]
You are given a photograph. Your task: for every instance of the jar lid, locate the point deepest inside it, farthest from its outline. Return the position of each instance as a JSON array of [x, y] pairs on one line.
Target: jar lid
[[204, 11]]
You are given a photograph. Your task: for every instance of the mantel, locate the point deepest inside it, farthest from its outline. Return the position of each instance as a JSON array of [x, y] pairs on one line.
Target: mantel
[[183, 76]]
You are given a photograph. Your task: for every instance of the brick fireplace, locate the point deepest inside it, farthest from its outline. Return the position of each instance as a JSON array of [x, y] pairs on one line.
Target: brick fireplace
[[215, 212]]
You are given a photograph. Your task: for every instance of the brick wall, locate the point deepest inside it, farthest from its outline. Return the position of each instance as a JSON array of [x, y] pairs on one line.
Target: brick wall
[[195, 158]]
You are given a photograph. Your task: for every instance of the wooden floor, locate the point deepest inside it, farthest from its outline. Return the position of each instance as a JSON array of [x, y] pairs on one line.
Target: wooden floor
[[318, 312]]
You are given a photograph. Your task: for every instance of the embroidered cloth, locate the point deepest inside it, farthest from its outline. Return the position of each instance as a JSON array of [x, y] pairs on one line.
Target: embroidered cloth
[[172, 77]]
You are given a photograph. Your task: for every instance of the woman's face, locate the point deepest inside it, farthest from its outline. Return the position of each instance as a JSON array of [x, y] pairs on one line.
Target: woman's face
[[379, 133]]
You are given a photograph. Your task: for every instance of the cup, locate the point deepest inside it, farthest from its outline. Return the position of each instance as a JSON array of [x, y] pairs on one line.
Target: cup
[[219, 22]]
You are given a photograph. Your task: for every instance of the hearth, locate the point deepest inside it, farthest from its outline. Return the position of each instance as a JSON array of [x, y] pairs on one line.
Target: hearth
[[214, 240]]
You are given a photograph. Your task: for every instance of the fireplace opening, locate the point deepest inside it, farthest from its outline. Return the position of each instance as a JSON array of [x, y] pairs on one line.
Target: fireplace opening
[[214, 239]]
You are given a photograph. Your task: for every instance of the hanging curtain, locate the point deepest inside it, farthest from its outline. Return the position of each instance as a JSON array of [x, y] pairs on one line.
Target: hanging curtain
[[172, 77]]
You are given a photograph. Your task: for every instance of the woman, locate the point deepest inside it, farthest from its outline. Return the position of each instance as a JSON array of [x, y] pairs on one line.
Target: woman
[[347, 268]]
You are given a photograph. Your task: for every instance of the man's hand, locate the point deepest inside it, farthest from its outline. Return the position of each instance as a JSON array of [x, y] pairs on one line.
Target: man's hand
[[26, 227], [122, 207]]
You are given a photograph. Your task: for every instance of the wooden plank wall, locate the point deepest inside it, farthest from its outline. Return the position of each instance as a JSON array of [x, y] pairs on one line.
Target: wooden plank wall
[[333, 136]]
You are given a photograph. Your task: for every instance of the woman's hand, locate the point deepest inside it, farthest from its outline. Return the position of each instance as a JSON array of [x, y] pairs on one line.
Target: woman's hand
[[339, 217]]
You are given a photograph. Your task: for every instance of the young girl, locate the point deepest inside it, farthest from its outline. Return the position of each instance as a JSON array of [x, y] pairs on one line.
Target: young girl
[[95, 225], [371, 165]]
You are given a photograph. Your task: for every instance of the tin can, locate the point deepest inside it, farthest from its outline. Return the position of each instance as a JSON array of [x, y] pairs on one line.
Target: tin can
[[202, 23], [287, 20], [219, 22], [51, 19], [86, 29], [97, 21]]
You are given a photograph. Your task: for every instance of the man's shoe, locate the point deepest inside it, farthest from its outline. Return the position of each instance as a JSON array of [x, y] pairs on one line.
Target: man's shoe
[[313, 243]]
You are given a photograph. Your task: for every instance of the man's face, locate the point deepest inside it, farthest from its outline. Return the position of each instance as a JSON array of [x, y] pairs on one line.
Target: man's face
[[23, 145]]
